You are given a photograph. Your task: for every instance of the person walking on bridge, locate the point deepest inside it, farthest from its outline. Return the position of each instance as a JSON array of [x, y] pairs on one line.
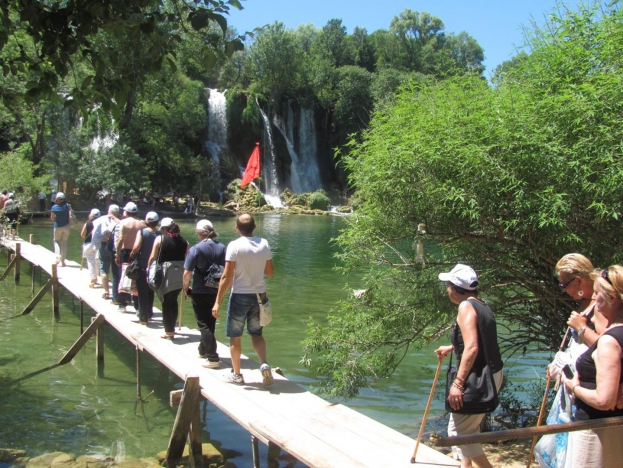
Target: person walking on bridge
[[247, 260]]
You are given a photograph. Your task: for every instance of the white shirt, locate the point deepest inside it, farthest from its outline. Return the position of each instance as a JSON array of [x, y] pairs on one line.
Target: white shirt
[[250, 255]]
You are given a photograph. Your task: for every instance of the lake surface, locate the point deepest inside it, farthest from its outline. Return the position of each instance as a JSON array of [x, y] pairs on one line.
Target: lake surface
[[85, 409]]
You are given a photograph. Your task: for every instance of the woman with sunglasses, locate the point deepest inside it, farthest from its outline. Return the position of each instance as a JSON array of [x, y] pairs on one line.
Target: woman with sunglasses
[[574, 275], [597, 383]]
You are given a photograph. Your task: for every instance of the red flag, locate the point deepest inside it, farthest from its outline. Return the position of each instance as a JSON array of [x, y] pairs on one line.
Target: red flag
[[252, 171]]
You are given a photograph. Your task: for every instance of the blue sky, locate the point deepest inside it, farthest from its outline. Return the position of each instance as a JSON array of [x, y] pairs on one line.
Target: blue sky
[[495, 24]]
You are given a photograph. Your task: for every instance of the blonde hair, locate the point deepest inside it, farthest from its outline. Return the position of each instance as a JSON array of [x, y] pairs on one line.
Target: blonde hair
[[575, 264], [613, 286]]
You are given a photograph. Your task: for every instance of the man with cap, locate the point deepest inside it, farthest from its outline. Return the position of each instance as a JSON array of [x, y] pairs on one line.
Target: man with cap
[[90, 250], [60, 215], [102, 239], [474, 340], [200, 258], [247, 260], [129, 227]]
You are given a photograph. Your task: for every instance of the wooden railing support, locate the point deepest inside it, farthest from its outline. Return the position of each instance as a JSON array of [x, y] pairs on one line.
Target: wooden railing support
[[55, 293], [33, 273], [99, 343], [81, 316], [187, 415], [255, 449], [12, 262], [35, 300], [17, 272]]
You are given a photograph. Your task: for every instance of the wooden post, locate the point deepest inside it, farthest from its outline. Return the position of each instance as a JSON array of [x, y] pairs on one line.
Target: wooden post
[[77, 346], [81, 316], [33, 273], [138, 374], [35, 300], [55, 292], [186, 414], [256, 452], [99, 343], [195, 458], [30, 238], [11, 264], [18, 258]]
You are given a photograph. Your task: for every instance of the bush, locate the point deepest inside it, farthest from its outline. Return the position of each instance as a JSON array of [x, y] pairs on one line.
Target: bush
[[319, 201]]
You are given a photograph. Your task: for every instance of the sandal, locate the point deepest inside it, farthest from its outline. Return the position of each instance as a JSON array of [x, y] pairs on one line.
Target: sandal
[[168, 337], [106, 296]]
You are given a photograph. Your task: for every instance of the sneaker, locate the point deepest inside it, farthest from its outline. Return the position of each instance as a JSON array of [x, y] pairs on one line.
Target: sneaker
[[202, 355], [213, 365], [236, 379], [267, 375]]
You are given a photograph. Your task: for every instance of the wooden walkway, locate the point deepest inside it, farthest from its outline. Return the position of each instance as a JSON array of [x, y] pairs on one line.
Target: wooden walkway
[[317, 432]]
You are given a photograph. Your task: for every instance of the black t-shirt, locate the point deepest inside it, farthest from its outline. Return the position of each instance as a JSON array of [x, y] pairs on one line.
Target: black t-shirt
[[588, 379], [89, 236], [173, 248]]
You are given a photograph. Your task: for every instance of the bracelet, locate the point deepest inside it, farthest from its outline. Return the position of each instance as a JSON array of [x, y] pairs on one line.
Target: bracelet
[[573, 388], [581, 330], [460, 387]]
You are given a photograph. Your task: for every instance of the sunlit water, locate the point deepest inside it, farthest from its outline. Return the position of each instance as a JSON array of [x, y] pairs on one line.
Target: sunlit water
[[83, 408]]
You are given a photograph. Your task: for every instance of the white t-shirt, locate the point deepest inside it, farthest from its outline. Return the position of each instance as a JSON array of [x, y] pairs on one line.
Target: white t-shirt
[[250, 255]]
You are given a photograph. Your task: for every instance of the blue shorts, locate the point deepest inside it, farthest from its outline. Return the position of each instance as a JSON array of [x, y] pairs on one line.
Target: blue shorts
[[240, 309], [105, 260]]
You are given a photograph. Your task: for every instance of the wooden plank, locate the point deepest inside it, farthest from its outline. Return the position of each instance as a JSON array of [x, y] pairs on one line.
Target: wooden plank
[[77, 346], [188, 406]]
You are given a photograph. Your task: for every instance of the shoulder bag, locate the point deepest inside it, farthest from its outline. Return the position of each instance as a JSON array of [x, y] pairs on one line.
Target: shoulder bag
[[133, 270], [155, 274], [72, 216], [480, 394]]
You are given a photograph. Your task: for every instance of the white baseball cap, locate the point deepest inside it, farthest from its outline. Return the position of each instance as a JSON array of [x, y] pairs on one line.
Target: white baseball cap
[[95, 213], [462, 276], [204, 225], [130, 207], [113, 208], [60, 195], [151, 217], [166, 222]]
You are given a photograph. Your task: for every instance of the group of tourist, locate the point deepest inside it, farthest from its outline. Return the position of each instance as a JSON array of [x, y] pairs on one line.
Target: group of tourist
[[112, 242], [595, 356], [10, 212]]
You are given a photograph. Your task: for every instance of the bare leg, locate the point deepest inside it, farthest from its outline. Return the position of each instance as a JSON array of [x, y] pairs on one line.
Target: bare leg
[[481, 461], [259, 345], [235, 349], [466, 463], [105, 284]]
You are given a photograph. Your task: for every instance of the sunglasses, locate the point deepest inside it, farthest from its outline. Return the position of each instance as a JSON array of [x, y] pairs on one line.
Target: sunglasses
[[604, 275], [563, 286]]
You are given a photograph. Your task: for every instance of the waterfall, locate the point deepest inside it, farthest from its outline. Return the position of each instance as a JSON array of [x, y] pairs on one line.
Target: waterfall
[[216, 143], [270, 165], [304, 172]]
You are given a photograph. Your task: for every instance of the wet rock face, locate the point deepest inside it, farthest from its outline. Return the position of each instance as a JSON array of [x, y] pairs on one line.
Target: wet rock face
[[9, 455]]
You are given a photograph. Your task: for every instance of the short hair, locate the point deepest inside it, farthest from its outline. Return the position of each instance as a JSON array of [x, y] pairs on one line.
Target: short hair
[[462, 291], [575, 264], [245, 224], [613, 285], [152, 224]]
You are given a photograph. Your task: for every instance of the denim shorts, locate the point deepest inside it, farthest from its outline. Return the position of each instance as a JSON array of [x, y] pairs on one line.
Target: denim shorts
[[240, 309], [105, 260]]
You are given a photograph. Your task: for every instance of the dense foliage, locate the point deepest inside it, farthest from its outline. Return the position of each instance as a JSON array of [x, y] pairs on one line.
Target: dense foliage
[[507, 179]]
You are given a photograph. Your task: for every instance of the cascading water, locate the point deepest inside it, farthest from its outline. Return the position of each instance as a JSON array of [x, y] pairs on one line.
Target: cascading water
[[270, 172], [216, 144], [304, 172]]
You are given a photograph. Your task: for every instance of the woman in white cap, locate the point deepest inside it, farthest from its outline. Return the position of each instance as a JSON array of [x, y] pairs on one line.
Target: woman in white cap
[[142, 248], [11, 211], [90, 250], [170, 251], [469, 344], [60, 216]]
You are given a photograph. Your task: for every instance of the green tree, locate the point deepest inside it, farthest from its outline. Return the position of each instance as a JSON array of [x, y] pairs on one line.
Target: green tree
[[506, 179]]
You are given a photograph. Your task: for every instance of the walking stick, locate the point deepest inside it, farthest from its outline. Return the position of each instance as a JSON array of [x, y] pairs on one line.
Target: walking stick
[[539, 420], [430, 400], [179, 326]]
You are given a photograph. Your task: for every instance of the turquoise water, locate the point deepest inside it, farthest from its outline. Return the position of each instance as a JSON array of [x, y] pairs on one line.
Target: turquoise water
[[84, 408]]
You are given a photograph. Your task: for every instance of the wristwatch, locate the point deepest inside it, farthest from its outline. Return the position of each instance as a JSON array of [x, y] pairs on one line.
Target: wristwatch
[[581, 330]]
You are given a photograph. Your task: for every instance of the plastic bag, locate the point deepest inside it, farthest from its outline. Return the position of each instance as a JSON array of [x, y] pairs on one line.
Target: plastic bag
[[551, 450]]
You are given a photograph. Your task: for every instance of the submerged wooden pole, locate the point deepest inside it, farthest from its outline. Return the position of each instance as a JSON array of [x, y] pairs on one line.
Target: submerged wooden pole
[[33, 274], [189, 407], [81, 316], [138, 373], [17, 273], [256, 452], [55, 292], [99, 343], [77, 346], [12, 262]]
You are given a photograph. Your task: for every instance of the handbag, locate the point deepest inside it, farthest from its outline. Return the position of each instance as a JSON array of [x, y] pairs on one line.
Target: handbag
[[155, 274], [266, 311], [480, 394], [72, 217], [133, 271], [212, 277]]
